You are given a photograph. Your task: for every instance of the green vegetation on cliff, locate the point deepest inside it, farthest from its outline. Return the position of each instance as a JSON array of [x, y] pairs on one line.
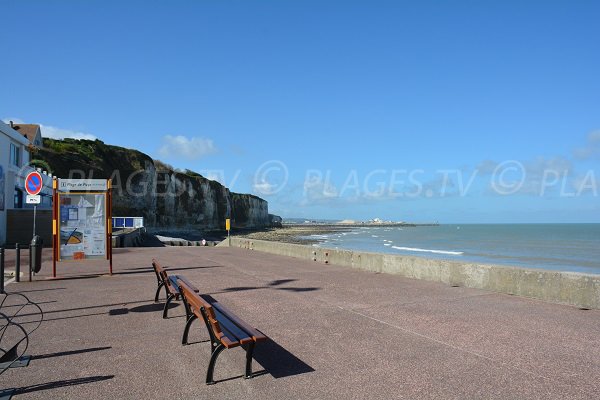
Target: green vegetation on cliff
[[164, 196]]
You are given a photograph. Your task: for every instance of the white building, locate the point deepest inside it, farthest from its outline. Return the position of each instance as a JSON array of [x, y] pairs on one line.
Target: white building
[[13, 156], [14, 167]]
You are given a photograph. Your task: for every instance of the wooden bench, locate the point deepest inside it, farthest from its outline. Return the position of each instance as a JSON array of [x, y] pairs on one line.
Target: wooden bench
[[169, 283], [225, 329]]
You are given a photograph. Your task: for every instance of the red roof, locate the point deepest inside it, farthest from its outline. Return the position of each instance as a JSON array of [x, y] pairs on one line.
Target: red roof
[[28, 130]]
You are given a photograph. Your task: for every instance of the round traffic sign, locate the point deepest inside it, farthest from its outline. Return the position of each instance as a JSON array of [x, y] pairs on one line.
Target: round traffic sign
[[33, 183]]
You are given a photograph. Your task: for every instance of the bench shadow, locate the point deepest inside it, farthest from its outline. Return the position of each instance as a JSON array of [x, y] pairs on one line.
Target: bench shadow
[[280, 282], [153, 307], [233, 378], [62, 383], [145, 270], [271, 285], [192, 268], [279, 362], [287, 289]]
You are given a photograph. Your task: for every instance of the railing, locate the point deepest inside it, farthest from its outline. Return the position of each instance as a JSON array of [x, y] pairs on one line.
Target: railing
[[19, 318]]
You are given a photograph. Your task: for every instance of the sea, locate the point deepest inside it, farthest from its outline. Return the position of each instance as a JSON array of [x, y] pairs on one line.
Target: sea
[[561, 247]]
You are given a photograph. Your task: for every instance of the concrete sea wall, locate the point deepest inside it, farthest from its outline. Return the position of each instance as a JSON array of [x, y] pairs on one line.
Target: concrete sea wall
[[580, 290]]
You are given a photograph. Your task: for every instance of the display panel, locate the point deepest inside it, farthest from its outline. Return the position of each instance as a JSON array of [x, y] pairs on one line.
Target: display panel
[[82, 226]]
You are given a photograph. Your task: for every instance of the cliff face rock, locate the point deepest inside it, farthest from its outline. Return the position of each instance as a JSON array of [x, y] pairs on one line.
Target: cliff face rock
[[147, 188]]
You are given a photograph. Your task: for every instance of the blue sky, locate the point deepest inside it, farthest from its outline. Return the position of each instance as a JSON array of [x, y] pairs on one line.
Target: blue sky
[[331, 109]]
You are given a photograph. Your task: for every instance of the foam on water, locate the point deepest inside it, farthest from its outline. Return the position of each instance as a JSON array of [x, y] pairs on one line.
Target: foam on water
[[452, 253], [565, 247]]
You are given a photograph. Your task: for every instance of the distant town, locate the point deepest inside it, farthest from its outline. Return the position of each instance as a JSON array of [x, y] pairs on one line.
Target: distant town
[[351, 222]]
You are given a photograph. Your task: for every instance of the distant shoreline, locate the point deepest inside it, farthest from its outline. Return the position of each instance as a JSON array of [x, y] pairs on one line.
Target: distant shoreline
[[300, 233], [360, 224]]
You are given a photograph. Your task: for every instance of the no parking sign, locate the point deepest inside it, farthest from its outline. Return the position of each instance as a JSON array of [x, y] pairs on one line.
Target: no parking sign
[[33, 183]]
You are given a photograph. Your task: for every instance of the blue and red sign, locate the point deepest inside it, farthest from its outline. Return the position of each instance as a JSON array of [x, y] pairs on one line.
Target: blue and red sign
[[34, 183]]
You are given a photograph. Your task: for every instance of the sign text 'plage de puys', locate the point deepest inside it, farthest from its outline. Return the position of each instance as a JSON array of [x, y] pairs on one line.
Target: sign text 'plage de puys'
[[88, 185]]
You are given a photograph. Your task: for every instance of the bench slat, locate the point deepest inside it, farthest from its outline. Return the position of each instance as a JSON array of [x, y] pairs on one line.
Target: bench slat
[[187, 282], [256, 335], [231, 330]]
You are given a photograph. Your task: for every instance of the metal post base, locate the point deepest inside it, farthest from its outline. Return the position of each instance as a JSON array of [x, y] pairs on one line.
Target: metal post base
[[20, 363]]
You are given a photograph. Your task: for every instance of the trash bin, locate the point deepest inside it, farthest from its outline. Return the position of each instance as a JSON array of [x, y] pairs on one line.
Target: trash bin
[[35, 254]]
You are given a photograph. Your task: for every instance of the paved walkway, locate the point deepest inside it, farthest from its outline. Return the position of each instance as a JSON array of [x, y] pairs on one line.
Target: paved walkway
[[336, 333]]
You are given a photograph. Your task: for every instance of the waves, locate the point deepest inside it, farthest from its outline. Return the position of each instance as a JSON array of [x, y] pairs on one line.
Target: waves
[[564, 247], [447, 252]]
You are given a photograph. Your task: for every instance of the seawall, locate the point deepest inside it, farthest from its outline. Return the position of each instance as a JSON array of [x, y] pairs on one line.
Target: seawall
[[580, 290]]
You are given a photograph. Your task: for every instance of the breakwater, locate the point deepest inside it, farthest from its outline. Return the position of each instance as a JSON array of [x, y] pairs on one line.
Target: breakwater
[[576, 289]]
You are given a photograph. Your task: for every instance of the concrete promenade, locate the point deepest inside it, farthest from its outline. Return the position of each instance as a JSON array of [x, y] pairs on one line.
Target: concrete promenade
[[336, 333]]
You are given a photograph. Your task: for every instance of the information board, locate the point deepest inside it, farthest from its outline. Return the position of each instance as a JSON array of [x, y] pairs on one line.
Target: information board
[[82, 226]]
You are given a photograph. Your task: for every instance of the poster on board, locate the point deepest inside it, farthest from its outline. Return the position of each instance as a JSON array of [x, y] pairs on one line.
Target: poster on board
[[82, 226]]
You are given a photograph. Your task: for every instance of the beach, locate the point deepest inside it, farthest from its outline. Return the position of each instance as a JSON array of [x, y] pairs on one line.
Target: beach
[[297, 234]]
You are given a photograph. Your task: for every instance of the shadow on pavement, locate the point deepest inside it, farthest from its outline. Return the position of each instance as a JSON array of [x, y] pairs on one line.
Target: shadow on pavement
[[69, 353], [40, 290], [274, 358], [154, 307], [62, 383], [72, 278], [145, 270], [279, 362]]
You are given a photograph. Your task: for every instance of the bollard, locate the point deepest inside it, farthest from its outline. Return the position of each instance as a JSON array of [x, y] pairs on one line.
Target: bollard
[[18, 263], [2, 269], [35, 255]]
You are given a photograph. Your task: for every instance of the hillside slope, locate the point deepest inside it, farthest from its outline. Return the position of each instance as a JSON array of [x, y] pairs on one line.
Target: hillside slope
[[144, 187]]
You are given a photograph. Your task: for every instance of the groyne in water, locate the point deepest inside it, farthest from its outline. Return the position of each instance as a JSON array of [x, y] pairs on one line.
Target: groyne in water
[[576, 289]]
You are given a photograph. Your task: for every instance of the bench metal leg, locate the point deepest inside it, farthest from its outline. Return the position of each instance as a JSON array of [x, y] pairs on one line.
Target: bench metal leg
[[160, 285], [211, 365], [186, 331], [249, 353], [188, 310], [166, 290], [166, 309]]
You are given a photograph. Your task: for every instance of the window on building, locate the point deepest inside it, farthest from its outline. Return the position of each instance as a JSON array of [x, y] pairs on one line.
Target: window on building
[[15, 155], [18, 199]]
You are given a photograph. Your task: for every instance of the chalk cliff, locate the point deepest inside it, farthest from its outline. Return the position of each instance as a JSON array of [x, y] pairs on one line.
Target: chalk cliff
[[144, 187]]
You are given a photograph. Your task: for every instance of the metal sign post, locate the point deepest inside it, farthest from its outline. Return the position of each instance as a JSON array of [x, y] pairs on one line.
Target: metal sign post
[[33, 186], [228, 227]]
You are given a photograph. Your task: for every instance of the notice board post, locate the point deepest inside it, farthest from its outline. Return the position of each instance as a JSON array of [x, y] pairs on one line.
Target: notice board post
[[81, 225]]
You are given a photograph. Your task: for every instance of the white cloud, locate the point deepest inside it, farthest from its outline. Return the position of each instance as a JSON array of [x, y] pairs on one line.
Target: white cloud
[[264, 188], [591, 149], [317, 189], [60, 133], [15, 120], [182, 147], [53, 132]]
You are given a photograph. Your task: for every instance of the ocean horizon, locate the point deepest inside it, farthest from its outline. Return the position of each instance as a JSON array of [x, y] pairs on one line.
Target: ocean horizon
[[572, 247]]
